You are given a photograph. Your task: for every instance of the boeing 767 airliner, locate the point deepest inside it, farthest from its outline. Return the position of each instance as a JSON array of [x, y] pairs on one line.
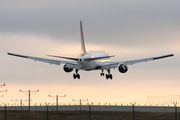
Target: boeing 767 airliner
[[92, 60]]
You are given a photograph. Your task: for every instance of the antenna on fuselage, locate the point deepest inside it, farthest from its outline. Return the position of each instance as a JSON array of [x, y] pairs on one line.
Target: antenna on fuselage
[[83, 49]]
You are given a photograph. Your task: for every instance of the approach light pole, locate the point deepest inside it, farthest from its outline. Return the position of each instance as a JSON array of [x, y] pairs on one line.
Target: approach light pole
[[20, 102], [79, 101], [29, 94], [4, 90], [53, 97]]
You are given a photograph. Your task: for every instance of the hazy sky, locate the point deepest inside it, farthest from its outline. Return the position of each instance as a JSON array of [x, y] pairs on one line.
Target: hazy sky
[[129, 29]]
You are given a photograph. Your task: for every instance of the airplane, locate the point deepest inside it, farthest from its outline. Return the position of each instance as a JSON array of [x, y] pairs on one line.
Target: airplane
[[92, 60]]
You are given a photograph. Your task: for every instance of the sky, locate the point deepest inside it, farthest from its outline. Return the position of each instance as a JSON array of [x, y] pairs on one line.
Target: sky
[[128, 29]]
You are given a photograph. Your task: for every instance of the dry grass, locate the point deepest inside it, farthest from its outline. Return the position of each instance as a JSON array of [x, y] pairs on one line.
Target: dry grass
[[83, 115]]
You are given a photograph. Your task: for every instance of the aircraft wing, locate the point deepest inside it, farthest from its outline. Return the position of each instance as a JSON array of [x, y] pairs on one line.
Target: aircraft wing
[[144, 60], [50, 61], [111, 65]]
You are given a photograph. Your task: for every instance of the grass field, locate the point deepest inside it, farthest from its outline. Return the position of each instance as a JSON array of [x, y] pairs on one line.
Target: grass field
[[84, 115]]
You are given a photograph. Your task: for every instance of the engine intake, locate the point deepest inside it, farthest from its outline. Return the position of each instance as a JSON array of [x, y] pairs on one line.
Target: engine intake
[[66, 69], [123, 69]]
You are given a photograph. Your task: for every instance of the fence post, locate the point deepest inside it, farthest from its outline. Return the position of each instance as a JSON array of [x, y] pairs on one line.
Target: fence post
[[176, 113], [5, 113], [89, 112], [133, 109], [175, 104], [47, 112]]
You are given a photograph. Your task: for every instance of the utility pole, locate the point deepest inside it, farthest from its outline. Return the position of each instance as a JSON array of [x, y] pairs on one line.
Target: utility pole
[[57, 99], [20, 102], [79, 101], [133, 109], [29, 94]]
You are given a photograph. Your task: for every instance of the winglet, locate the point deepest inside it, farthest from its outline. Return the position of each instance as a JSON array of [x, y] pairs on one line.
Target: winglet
[[83, 49]]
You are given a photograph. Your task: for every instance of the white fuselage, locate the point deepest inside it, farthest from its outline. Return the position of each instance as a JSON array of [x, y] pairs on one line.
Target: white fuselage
[[94, 64]]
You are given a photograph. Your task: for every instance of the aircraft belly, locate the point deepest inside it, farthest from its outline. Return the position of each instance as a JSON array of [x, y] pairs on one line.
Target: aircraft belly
[[88, 65]]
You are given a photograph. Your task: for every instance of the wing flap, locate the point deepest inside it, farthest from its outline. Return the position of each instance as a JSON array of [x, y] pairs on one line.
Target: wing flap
[[55, 62]]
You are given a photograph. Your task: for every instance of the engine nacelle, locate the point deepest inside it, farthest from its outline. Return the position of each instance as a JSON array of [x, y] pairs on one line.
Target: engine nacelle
[[66, 69], [123, 69]]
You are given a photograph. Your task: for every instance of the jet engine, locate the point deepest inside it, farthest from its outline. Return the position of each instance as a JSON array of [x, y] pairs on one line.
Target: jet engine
[[123, 69], [66, 69]]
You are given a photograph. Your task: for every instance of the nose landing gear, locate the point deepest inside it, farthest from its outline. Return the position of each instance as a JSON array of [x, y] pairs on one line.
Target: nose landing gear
[[76, 75], [102, 74]]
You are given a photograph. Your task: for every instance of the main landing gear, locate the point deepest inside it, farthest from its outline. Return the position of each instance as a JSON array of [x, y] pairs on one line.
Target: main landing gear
[[107, 75], [76, 75]]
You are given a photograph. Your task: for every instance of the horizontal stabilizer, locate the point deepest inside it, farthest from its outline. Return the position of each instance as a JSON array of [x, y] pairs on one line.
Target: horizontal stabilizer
[[96, 58], [75, 59]]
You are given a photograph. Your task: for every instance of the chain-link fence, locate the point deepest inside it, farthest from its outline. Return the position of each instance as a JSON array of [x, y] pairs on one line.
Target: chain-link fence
[[90, 112]]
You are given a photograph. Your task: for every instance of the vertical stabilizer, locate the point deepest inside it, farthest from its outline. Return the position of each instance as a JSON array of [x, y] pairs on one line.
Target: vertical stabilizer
[[83, 49]]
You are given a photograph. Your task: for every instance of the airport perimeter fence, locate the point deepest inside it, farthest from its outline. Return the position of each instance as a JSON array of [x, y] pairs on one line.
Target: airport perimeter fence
[[90, 112]]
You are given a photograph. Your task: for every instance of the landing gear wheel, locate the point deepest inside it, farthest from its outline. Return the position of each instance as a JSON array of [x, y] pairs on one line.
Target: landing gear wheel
[[74, 76], [107, 76], [78, 76], [102, 74], [110, 76]]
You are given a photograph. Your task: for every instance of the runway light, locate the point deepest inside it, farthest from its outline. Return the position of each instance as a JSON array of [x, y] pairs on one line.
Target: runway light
[[49, 95], [64, 95], [38, 90], [4, 84], [20, 90]]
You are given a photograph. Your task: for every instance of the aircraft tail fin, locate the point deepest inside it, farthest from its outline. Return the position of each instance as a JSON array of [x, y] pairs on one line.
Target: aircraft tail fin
[[83, 49]]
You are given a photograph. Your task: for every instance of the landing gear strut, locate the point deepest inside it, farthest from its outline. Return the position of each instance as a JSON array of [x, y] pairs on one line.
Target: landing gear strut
[[109, 75], [76, 75], [102, 74]]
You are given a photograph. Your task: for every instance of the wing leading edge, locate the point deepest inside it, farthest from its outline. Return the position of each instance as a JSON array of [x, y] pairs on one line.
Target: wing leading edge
[[112, 65], [50, 61], [145, 59]]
